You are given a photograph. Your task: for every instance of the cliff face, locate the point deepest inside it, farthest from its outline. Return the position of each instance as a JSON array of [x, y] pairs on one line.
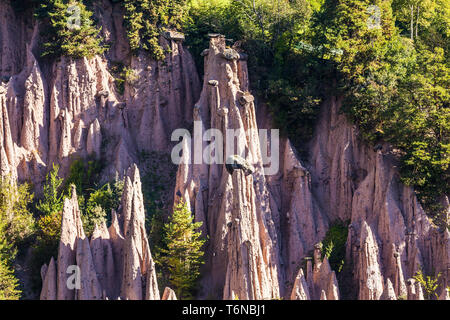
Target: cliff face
[[263, 230], [243, 254], [71, 108]]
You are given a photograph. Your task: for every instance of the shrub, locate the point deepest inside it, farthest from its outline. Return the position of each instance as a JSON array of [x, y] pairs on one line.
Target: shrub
[[91, 217], [16, 222], [47, 243], [334, 244], [16, 226], [85, 175], [122, 75]]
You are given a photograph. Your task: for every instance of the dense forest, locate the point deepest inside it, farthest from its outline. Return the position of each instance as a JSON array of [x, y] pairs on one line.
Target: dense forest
[[388, 60]]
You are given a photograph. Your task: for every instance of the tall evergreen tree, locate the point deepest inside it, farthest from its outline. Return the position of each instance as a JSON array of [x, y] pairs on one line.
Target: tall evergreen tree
[[68, 29], [182, 255], [53, 198]]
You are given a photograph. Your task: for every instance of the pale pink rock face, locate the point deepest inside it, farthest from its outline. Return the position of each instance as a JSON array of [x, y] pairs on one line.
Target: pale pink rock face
[[71, 108], [260, 227]]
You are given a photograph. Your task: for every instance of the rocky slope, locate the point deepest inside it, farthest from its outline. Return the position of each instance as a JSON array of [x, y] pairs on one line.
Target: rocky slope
[[390, 237], [71, 108], [264, 230]]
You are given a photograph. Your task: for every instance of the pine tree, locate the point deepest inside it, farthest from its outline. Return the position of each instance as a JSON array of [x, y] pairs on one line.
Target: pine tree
[[53, 198], [182, 255]]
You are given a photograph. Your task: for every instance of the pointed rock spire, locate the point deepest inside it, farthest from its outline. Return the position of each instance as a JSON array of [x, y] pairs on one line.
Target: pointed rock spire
[[103, 257], [369, 273], [90, 288]]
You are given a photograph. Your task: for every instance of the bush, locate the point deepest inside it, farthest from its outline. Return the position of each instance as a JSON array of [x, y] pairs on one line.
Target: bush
[[100, 203], [334, 244], [16, 221], [146, 19], [8, 283], [16, 226], [85, 174], [182, 254], [52, 196], [122, 75], [68, 30], [48, 223], [95, 201], [47, 243], [428, 283]]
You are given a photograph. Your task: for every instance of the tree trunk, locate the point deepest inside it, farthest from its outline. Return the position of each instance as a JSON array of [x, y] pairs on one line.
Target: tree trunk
[[417, 21], [412, 22]]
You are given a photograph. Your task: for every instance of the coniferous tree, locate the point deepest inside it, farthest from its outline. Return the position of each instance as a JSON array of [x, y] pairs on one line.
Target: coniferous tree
[[68, 29], [183, 254]]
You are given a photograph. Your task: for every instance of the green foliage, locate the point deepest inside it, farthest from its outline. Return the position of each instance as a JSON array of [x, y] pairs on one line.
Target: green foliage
[[68, 29], [428, 283], [95, 200], [16, 226], [49, 232], [48, 223], [334, 244], [8, 283], [84, 174], [394, 90], [182, 255], [46, 245], [100, 202], [16, 222], [91, 217], [52, 196], [146, 19]]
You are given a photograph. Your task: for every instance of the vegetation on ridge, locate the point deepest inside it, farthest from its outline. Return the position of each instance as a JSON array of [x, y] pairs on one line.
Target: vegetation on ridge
[[395, 87]]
